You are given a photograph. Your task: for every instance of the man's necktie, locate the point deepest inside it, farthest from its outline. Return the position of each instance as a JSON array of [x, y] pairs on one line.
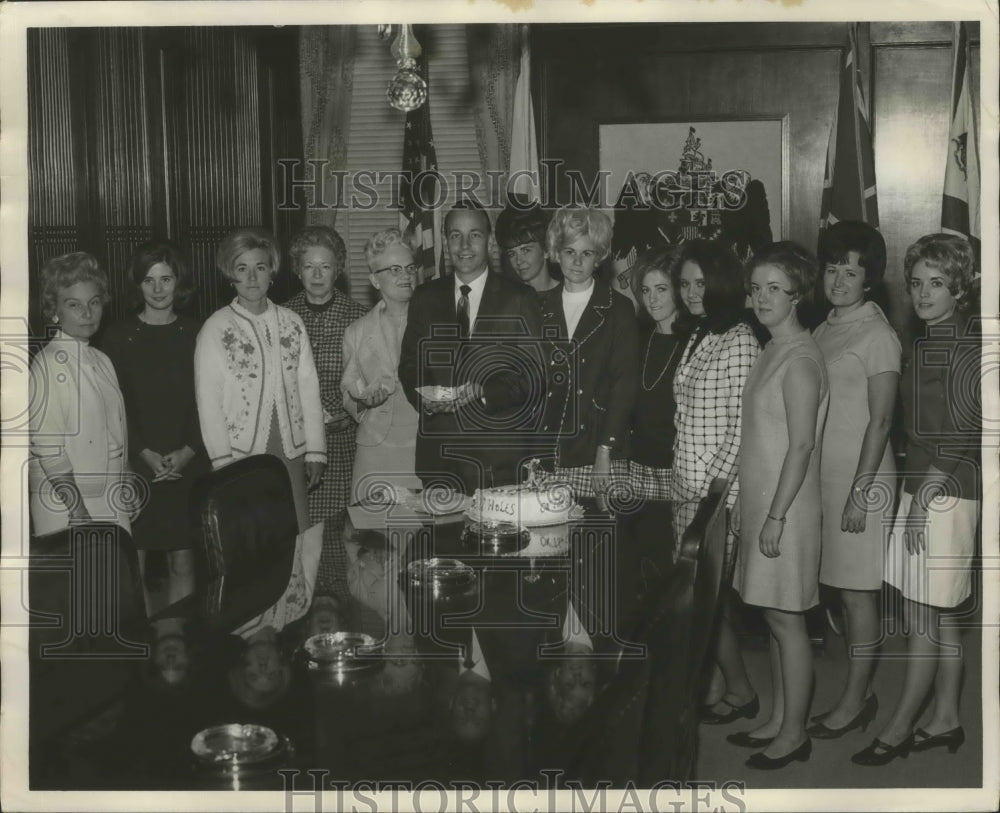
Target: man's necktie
[[463, 311]]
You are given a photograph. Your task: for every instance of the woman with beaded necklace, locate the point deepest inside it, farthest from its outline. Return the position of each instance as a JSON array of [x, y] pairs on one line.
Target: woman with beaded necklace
[[660, 346]]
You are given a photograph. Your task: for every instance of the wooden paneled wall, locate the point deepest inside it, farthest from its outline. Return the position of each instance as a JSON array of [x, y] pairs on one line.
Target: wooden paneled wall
[[141, 133], [53, 198], [587, 75]]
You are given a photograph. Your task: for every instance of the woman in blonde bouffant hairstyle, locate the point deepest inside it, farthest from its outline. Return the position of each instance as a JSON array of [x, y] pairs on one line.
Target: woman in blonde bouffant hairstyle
[[594, 368], [255, 378]]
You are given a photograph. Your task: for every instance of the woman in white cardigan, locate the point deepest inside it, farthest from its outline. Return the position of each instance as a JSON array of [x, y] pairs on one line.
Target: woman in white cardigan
[[255, 379], [387, 423]]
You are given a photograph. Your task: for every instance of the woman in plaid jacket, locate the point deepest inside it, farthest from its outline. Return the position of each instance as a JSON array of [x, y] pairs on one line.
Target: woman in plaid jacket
[[708, 388]]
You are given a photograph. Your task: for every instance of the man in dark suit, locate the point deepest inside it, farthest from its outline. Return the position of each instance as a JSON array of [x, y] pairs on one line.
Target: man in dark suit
[[476, 333]]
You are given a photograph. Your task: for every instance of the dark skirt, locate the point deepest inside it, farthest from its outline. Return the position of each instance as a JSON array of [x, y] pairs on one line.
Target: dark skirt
[[165, 523]]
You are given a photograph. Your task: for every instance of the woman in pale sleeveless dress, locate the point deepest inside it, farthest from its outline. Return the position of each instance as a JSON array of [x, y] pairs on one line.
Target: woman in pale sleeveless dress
[[784, 409]]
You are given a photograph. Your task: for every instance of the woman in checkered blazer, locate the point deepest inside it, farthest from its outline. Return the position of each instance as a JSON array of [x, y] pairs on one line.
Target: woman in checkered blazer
[[708, 388]]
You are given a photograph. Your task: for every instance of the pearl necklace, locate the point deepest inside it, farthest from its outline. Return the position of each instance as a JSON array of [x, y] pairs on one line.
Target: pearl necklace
[[666, 366]]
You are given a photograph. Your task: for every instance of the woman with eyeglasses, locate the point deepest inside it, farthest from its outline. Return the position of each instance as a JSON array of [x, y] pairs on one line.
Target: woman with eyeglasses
[[319, 258], [387, 422]]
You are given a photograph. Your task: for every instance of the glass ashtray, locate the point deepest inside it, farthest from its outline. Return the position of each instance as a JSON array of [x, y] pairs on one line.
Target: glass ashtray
[[495, 537], [342, 650], [241, 743], [442, 578]]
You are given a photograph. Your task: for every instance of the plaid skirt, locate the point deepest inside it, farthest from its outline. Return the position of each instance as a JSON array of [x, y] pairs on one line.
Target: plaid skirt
[[631, 482], [578, 478], [647, 483]]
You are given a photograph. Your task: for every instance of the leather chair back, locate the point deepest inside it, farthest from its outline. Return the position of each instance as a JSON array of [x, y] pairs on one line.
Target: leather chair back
[[643, 728], [247, 525], [704, 544]]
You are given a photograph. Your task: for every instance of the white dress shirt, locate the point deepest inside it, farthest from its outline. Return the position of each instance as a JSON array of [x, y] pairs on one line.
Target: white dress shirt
[[475, 656]]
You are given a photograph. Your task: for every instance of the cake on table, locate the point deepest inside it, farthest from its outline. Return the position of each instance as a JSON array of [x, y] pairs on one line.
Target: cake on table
[[539, 501]]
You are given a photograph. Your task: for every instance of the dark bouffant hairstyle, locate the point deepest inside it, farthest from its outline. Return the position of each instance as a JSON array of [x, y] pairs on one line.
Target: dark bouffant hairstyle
[[725, 290], [518, 226], [839, 240]]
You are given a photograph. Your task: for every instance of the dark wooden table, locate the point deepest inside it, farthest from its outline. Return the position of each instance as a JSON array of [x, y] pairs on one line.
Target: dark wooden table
[[422, 711]]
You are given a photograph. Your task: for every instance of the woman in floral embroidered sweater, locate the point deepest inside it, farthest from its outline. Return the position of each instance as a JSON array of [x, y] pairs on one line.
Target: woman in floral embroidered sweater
[[255, 378]]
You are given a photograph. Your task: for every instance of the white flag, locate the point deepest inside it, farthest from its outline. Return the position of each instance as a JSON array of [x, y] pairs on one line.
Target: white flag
[[523, 171]]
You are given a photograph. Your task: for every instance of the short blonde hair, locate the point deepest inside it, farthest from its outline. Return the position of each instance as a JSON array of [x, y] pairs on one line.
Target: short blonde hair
[[572, 222], [379, 243], [241, 241], [66, 271]]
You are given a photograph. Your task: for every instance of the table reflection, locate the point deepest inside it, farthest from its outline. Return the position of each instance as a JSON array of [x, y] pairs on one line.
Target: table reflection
[[475, 654]]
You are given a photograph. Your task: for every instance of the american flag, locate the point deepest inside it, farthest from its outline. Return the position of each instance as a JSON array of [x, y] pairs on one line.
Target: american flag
[[849, 183], [960, 202], [420, 185]]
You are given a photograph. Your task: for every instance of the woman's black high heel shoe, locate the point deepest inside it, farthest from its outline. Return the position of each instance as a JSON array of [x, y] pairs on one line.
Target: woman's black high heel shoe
[[861, 720], [952, 740], [748, 710], [765, 763], [879, 753], [746, 740]]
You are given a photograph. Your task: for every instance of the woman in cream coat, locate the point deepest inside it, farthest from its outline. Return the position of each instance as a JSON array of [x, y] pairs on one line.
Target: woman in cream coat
[[387, 423]]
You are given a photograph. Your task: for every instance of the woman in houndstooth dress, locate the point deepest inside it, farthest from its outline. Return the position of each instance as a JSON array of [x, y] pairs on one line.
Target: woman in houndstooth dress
[[319, 257]]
